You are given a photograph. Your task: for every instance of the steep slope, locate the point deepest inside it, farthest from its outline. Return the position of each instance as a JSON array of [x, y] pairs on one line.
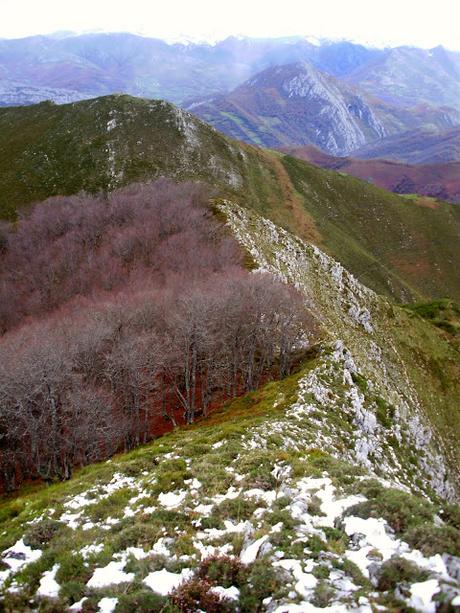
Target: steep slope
[[294, 104], [398, 247], [388, 352], [304, 495], [432, 180], [405, 74], [298, 104], [422, 146]]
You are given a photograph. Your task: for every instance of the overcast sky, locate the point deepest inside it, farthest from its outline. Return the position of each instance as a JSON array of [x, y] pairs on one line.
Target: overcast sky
[[424, 23]]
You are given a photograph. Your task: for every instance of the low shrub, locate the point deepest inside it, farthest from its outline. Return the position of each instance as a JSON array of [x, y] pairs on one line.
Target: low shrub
[[322, 594], [144, 600], [401, 510], [238, 509], [263, 581], [224, 571], [197, 595], [434, 539], [396, 571], [41, 533]]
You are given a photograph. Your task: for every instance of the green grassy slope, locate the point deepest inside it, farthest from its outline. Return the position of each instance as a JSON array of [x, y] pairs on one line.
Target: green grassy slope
[[388, 242], [405, 249]]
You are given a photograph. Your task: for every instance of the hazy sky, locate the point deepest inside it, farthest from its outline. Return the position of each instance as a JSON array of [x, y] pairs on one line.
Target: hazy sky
[[424, 23]]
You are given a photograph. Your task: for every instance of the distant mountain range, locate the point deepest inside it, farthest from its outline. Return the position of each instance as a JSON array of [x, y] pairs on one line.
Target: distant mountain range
[[339, 96], [406, 76], [110, 63], [433, 180], [107, 63], [298, 104]]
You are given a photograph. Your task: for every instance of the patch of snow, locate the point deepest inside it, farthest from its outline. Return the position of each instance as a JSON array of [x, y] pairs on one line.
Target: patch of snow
[[160, 547], [374, 536], [112, 574], [232, 593], [305, 581], [171, 500], [107, 605], [16, 557], [249, 554], [78, 606], [93, 548], [49, 587], [422, 594], [163, 582], [204, 509]]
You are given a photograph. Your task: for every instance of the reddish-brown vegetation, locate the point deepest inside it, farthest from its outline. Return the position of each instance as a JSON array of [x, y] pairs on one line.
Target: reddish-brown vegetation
[[434, 180], [116, 327]]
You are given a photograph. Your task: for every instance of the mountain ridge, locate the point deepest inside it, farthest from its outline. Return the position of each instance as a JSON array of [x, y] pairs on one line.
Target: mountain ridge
[[422, 146], [104, 63], [101, 144]]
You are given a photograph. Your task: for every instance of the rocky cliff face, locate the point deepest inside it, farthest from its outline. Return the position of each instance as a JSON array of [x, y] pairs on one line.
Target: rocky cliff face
[[296, 103]]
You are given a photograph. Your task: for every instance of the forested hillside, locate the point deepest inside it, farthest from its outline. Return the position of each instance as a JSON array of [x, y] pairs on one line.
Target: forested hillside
[[127, 316]]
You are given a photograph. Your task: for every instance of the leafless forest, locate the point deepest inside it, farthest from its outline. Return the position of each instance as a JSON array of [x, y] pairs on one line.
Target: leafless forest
[[122, 313]]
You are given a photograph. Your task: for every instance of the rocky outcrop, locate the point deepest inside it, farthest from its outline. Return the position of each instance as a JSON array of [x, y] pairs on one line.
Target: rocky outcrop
[[364, 375]]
